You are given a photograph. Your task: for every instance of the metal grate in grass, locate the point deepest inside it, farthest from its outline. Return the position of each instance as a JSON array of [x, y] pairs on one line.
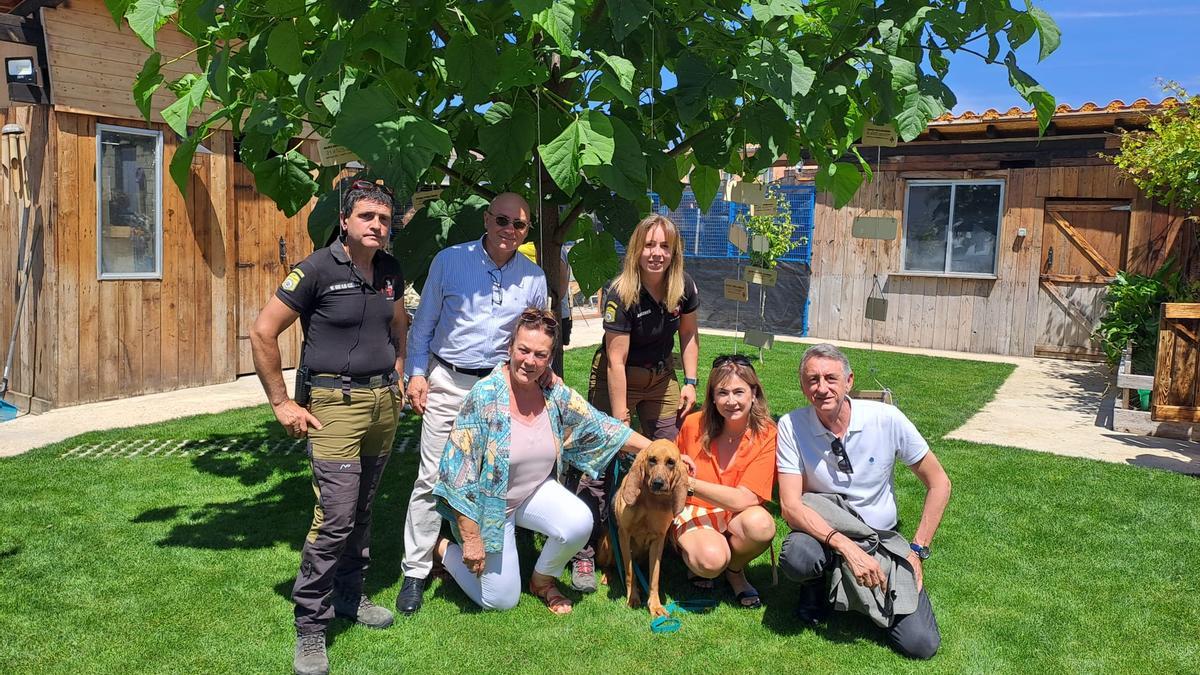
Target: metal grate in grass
[[134, 448]]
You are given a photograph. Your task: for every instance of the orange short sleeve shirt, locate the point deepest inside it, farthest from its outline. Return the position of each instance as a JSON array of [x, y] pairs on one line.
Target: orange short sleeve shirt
[[753, 466]]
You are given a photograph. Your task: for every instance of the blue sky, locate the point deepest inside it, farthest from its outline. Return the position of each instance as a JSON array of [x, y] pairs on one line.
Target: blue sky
[[1110, 49]]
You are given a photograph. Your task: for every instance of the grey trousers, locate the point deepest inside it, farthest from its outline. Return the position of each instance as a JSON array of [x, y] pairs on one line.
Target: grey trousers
[[915, 635]]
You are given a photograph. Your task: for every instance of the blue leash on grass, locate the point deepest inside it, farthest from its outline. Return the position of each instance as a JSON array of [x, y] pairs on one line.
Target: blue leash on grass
[[660, 624]]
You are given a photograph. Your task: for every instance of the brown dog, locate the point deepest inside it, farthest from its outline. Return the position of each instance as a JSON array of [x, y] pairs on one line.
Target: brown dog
[[653, 491]]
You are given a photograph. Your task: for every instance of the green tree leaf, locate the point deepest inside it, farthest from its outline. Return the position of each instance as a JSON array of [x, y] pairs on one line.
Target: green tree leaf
[[181, 162], [626, 15], [286, 180], [518, 68], [389, 40], [626, 173], [777, 71], [594, 261], [1029, 89], [324, 218], [667, 180], [190, 98], [147, 82], [117, 8], [443, 222], [283, 48], [1049, 34], [507, 139], [397, 147], [841, 180], [623, 70], [705, 183], [472, 65], [697, 84], [769, 9], [145, 17], [558, 20], [587, 141]]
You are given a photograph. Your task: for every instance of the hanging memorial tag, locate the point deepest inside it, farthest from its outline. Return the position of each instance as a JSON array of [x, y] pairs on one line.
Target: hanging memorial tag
[[757, 338], [877, 309], [882, 135], [333, 155], [768, 208], [761, 276], [738, 237], [760, 244], [423, 197], [872, 227], [738, 291], [745, 192]]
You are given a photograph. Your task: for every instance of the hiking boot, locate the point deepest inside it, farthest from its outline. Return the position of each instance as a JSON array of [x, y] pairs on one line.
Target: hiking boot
[[310, 657], [583, 575], [364, 612], [412, 594]]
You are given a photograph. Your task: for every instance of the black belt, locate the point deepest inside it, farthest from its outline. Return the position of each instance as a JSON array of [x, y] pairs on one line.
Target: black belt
[[661, 366], [343, 382], [473, 372]]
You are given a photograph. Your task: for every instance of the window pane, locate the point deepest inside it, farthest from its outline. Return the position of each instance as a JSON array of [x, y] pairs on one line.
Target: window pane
[[925, 231], [128, 203], [976, 216]]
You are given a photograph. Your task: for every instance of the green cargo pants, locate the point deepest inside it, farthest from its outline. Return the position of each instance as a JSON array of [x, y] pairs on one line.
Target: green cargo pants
[[348, 455]]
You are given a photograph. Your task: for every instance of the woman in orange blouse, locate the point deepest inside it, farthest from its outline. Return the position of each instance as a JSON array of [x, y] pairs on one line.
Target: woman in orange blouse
[[732, 441]]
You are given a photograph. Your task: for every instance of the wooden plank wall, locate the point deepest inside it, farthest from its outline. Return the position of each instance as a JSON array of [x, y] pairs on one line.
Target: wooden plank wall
[[142, 336], [1176, 396], [973, 315], [93, 63], [31, 381]]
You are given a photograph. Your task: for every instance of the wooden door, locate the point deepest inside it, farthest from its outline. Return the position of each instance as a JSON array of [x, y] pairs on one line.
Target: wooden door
[[268, 245], [1084, 244]]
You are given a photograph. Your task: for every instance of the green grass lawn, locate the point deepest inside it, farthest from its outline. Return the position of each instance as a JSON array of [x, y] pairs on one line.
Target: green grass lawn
[[185, 563]]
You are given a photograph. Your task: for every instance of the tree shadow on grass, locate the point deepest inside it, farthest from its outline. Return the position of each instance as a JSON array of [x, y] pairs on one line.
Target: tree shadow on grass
[[841, 627], [277, 504]]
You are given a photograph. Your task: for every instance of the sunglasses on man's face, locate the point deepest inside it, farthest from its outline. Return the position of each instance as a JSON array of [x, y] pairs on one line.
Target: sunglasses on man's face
[[843, 461], [368, 185], [504, 221], [736, 359]]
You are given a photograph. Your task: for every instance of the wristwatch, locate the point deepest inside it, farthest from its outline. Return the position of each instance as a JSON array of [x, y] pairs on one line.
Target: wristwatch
[[690, 380], [921, 551]]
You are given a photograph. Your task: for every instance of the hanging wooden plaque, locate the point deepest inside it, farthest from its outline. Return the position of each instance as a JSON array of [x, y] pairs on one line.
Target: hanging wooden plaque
[[745, 192], [420, 199], [738, 291], [873, 227], [757, 338], [333, 155], [768, 208], [876, 309], [738, 237], [761, 276], [882, 135]]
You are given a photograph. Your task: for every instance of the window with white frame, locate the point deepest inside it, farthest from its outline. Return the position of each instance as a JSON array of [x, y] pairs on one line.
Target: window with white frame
[[128, 202], [952, 227]]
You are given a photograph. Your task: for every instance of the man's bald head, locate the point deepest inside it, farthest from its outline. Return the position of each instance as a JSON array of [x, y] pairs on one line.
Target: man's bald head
[[507, 202]]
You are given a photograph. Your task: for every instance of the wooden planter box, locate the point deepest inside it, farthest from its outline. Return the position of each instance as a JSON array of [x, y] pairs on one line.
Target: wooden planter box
[[1174, 364]]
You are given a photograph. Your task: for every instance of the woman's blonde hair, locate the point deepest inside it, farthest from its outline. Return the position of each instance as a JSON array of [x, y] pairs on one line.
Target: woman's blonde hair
[[628, 284], [712, 422]]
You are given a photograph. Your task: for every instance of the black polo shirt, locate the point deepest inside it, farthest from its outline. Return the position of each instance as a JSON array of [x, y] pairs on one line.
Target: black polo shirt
[[651, 326], [347, 323]]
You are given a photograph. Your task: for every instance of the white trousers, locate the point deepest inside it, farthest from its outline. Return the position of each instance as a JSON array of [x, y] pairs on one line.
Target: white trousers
[[551, 510], [447, 390]]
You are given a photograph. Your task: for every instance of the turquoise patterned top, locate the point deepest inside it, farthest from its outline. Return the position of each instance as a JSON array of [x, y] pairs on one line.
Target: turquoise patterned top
[[473, 476]]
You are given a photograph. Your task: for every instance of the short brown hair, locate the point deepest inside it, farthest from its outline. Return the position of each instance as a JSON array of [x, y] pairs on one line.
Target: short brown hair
[[536, 318]]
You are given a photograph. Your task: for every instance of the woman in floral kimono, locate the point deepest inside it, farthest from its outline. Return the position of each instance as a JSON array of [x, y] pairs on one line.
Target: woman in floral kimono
[[509, 445]]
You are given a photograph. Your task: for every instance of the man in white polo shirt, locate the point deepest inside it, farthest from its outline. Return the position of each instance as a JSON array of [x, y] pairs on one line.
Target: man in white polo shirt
[[846, 449]]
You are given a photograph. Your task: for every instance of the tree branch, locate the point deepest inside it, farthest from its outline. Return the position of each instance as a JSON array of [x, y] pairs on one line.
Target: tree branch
[[683, 146], [571, 216], [846, 55], [478, 189]]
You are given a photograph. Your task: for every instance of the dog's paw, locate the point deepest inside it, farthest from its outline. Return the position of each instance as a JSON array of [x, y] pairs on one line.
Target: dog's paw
[[657, 610], [633, 601]]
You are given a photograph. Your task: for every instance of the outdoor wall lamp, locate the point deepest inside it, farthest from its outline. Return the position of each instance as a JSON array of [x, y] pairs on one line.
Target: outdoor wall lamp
[[20, 70]]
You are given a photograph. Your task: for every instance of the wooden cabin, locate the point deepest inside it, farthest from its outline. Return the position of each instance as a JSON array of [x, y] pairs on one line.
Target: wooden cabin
[[1003, 240], [135, 289]]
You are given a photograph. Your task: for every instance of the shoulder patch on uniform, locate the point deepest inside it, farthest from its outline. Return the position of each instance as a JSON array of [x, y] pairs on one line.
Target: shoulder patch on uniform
[[610, 311], [292, 281]]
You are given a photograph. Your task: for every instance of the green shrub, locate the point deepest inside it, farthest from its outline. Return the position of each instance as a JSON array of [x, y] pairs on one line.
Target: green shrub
[[1131, 305]]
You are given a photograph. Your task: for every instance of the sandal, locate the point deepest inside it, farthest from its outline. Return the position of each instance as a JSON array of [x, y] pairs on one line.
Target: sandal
[[550, 596], [701, 583], [748, 598]]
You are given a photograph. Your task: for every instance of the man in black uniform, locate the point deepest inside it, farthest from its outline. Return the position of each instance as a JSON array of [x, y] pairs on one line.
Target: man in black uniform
[[349, 299]]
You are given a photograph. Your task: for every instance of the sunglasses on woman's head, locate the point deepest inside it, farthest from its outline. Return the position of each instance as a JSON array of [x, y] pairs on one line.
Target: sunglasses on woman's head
[[505, 221], [368, 185], [736, 359], [533, 316]]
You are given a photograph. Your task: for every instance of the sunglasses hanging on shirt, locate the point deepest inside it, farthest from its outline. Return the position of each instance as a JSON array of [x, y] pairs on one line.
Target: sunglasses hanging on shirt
[[843, 460]]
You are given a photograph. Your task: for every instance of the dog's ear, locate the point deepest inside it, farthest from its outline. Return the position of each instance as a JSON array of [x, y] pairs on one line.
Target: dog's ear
[[679, 484], [631, 487]]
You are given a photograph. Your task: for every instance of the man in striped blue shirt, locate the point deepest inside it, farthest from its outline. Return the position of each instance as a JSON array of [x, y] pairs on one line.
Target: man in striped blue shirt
[[469, 305]]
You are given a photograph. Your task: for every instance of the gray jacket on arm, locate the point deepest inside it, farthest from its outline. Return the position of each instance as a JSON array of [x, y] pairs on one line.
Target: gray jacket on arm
[[889, 549]]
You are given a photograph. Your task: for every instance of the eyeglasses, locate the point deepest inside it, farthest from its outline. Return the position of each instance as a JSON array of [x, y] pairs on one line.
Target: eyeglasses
[[534, 316], [368, 185], [839, 450], [736, 359], [504, 221], [497, 289]]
